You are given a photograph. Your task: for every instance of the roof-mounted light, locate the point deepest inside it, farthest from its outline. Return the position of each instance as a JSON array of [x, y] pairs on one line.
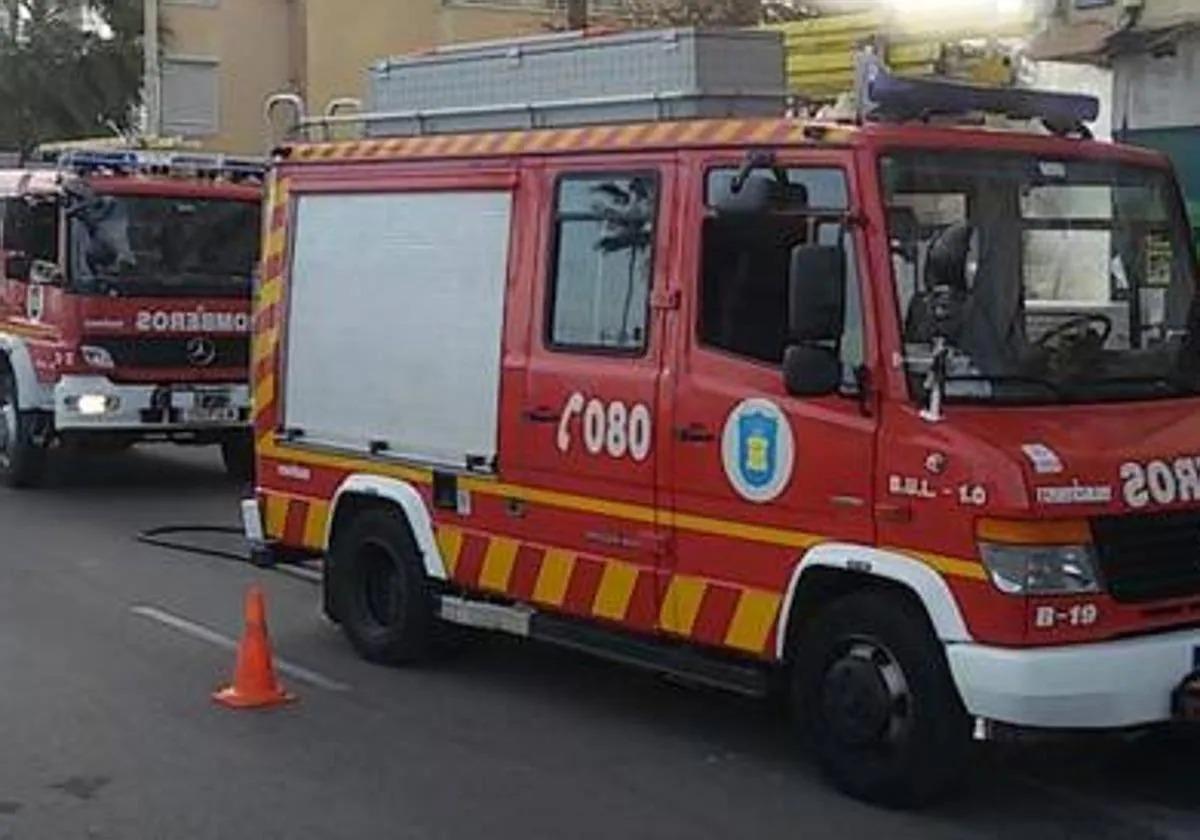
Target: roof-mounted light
[[165, 164], [885, 97]]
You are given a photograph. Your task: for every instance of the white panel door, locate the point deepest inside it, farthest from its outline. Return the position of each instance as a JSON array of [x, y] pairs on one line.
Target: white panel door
[[395, 315]]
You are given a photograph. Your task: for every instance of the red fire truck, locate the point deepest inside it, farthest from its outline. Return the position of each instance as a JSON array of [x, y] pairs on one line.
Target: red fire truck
[[902, 416], [124, 304]]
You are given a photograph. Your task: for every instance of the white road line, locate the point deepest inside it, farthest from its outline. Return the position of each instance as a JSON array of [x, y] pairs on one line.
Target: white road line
[[301, 572], [204, 634]]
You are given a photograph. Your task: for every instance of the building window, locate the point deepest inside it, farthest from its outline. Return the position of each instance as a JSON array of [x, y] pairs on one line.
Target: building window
[[190, 98], [604, 242]]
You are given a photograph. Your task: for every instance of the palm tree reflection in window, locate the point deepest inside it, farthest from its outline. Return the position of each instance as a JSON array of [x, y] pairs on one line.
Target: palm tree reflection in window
[[601, 300]]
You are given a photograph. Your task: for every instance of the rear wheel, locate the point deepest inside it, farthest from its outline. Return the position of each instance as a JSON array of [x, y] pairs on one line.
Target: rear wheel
[[237, 451], [878, 702], [22, 457], [379, 590]]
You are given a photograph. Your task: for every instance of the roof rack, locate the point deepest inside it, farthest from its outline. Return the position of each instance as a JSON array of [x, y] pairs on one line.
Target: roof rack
[[101, 161]]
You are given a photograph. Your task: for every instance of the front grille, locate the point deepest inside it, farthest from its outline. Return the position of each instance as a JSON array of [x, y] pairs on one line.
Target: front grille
[[1149, 557], [159, 352]]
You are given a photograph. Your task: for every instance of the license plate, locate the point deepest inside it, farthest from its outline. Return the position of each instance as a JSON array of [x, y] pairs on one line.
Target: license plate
[[211, 414], [210, 400]]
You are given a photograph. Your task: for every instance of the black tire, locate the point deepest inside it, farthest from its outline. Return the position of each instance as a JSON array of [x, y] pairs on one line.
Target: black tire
[[237, 451], [22, 458], [380, 594], [877, 702]]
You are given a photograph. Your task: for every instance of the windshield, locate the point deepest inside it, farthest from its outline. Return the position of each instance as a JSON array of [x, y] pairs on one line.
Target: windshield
[[1044, 280], [141, 245]]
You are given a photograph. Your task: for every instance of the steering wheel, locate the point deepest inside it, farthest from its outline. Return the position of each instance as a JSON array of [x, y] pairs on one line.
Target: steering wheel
[[1071, 324]]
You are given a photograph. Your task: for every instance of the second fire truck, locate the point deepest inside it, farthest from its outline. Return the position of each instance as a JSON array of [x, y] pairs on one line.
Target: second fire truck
[[124, 304]]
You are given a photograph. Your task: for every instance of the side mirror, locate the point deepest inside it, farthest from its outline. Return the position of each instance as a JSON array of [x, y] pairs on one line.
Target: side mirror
[[816, 293], [45, 273], [17, 266], [811, 371]]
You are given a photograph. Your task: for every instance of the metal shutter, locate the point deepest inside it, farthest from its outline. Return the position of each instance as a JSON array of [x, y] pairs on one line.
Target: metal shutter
[[190, 104]]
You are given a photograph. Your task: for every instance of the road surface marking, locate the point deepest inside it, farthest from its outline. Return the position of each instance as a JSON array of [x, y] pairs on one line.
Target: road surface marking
[[204, 634], [301, 572]]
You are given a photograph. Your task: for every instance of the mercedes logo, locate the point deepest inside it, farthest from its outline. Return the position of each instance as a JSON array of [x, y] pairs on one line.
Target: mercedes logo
[[201, 352]]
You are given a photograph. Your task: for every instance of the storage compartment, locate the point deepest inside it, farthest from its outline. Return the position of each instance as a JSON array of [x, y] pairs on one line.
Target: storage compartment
[[398, 299], [573, 79]]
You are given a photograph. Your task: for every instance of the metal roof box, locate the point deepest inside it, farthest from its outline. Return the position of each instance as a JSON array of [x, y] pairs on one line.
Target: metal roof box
[[580, 79]]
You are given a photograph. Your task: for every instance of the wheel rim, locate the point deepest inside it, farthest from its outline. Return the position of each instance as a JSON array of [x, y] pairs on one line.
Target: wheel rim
[[8, 422], [379, 592], [865, 698]]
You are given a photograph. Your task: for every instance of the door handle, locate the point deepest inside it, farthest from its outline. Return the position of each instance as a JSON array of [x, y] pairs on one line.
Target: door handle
[[541, 414], [694, 433]]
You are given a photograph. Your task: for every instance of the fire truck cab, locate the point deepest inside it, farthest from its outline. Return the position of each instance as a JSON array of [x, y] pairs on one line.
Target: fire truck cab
[[124, 303], [901, 416]]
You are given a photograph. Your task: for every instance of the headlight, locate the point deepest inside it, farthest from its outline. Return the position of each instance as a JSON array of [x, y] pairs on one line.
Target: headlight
[[97, 357], [1041, 569], [92, 405]]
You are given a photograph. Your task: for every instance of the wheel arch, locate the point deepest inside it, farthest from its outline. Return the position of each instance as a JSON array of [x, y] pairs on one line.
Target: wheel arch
[[831, 570], [363, 490]]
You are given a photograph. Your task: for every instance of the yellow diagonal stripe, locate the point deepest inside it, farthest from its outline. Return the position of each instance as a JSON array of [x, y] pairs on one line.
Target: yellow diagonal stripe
[[314, 525], [615, 590], [498, 564], [681, 604], [276, 516], [264, 392], [554, 577], [264, 344], [450, 542], [752, 621], [270, 293]]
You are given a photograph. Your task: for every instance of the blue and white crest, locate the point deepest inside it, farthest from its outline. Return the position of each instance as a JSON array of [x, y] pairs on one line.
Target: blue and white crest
[[757, 450]]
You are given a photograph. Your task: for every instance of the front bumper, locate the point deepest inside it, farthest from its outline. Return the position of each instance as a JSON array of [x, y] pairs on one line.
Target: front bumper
[[1125, 683], [150, 409]]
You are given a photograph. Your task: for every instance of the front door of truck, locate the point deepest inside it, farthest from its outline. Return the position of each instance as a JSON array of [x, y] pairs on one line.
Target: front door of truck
[[590, 406], [756, 475]]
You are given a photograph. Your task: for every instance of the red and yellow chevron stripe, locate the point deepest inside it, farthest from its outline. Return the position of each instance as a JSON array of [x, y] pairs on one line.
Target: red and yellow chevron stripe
[[587, 585], [267, 308], [642, 136], [592, 586]]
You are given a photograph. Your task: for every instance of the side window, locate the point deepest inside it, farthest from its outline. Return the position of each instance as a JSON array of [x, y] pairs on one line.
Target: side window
[[748, 237], [604, 244], [31, 229]]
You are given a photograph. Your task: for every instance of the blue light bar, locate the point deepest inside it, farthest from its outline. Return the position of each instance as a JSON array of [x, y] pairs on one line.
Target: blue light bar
[[893, 98], [126, 162]]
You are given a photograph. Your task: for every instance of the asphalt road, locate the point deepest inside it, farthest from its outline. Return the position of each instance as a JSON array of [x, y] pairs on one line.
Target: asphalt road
[[107, 729]]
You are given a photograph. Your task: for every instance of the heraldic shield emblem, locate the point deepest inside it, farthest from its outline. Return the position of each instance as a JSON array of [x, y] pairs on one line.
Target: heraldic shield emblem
[[757, 450]]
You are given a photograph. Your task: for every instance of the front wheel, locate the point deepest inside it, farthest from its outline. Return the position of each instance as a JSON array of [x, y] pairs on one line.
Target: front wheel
[[22, 457], [878, 702], [378, 589]]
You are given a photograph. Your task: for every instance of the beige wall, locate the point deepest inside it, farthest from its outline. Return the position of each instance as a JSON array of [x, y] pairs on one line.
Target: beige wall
[[321, 48], [251, 41], [344, 38]]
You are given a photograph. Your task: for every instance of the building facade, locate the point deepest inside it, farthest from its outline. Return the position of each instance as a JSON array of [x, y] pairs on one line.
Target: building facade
[[1153, 49], [218, 60]]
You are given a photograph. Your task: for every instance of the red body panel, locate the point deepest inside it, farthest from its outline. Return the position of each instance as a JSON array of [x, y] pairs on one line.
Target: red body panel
[[664, 544]]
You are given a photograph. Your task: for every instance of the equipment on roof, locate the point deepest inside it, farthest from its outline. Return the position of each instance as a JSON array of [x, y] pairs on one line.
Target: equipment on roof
[[884, 97], [83, 161], [575, 79]]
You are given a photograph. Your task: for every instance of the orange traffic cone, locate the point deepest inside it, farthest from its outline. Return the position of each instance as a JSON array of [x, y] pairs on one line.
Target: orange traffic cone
[[254, 683]]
